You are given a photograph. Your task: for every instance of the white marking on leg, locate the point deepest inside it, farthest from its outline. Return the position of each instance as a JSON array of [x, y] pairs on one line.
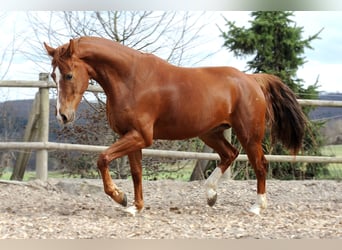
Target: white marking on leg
[[260, 204], [212, 182], [132, 210]]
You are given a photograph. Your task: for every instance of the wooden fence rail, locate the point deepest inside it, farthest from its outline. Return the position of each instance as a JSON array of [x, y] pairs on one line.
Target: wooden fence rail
[[52, 146], [43, 146]]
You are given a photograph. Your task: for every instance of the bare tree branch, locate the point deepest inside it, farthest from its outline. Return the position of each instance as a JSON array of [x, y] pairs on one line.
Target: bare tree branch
[[8, 52]]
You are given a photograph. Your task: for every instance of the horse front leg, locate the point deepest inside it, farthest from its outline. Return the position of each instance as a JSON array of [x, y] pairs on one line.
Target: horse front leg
[[136, 171], [131, 142], [227, 153], [109, 186]]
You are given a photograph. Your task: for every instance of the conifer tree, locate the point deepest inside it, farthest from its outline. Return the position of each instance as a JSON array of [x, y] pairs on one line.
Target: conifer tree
[[276, 44]]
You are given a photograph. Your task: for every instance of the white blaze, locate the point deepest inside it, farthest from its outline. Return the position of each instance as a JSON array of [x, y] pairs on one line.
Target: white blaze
[[58, 78]]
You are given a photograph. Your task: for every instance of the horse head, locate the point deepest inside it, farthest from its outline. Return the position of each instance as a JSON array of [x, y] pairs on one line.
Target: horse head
[[71, 77]]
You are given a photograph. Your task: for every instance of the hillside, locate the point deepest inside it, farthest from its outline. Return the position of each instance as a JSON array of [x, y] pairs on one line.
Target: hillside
[[14, 116], [332, 117], [327, 113], [13, 120]]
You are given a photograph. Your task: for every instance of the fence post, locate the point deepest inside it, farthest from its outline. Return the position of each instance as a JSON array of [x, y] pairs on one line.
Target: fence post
[[31, 134], [42, 155]]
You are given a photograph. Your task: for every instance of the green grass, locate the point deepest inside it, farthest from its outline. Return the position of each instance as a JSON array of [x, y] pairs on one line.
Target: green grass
[[28, 175], [332, 150], [31, 175], [181, 171], [335, 169]]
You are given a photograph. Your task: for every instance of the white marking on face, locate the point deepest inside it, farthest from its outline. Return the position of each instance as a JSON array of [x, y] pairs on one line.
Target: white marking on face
[[58, 78]]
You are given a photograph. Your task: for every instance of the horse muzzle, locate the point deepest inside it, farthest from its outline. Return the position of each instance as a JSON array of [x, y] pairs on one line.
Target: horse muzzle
[[65, 117]]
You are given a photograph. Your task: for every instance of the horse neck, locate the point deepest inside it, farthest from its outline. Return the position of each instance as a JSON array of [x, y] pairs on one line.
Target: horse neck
[[111, 64]]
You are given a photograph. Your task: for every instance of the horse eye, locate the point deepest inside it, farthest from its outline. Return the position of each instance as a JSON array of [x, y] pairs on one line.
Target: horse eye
[[68, 77]]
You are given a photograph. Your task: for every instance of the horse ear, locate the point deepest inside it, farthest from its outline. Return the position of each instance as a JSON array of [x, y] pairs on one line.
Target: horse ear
[[50, 50], [71, 48]]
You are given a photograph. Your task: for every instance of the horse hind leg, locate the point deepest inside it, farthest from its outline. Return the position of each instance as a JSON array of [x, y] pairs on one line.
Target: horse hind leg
[[250, 130], [259, 163], [227, 153]]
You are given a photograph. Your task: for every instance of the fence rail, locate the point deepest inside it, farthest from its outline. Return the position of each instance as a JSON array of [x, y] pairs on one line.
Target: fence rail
[[43, 146], [51, 146]]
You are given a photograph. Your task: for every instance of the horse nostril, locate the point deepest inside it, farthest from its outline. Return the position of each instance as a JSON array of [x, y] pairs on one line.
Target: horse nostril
[[64, 118]]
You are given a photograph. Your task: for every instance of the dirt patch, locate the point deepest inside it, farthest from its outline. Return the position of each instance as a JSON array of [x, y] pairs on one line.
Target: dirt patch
[[173, 210]]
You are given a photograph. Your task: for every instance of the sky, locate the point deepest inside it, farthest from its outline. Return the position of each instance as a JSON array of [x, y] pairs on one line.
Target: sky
[[324, 61]]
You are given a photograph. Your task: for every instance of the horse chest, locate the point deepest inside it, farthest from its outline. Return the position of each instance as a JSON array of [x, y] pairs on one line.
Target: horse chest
[[119, 120]]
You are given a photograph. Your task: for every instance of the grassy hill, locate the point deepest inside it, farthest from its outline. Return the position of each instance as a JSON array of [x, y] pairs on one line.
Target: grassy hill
[[327, 113], [332, 130]]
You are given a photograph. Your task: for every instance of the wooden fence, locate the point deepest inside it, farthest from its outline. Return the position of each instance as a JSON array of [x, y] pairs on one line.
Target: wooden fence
[[43, 145]]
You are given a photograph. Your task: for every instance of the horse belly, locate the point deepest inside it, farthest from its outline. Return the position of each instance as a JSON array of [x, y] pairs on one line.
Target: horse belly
[[175, 133], [188, 125]]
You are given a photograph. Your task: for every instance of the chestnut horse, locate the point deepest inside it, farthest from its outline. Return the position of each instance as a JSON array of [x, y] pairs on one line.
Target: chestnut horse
[[148, 98]]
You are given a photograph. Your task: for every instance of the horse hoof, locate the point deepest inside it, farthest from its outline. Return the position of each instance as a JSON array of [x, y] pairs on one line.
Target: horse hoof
[[211, 196], [212, 200], [124, 200]]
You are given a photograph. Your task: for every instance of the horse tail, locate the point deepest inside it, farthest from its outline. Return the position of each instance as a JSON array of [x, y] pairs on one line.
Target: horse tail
[[284, 114]]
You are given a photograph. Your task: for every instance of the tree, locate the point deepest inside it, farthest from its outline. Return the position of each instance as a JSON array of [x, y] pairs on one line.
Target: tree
[[10, 124], [5, 57], [170, 35], [8, 50], [275, 42]]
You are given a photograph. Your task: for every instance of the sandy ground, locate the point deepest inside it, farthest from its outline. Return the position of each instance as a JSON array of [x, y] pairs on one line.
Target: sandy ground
[[77, 209]]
